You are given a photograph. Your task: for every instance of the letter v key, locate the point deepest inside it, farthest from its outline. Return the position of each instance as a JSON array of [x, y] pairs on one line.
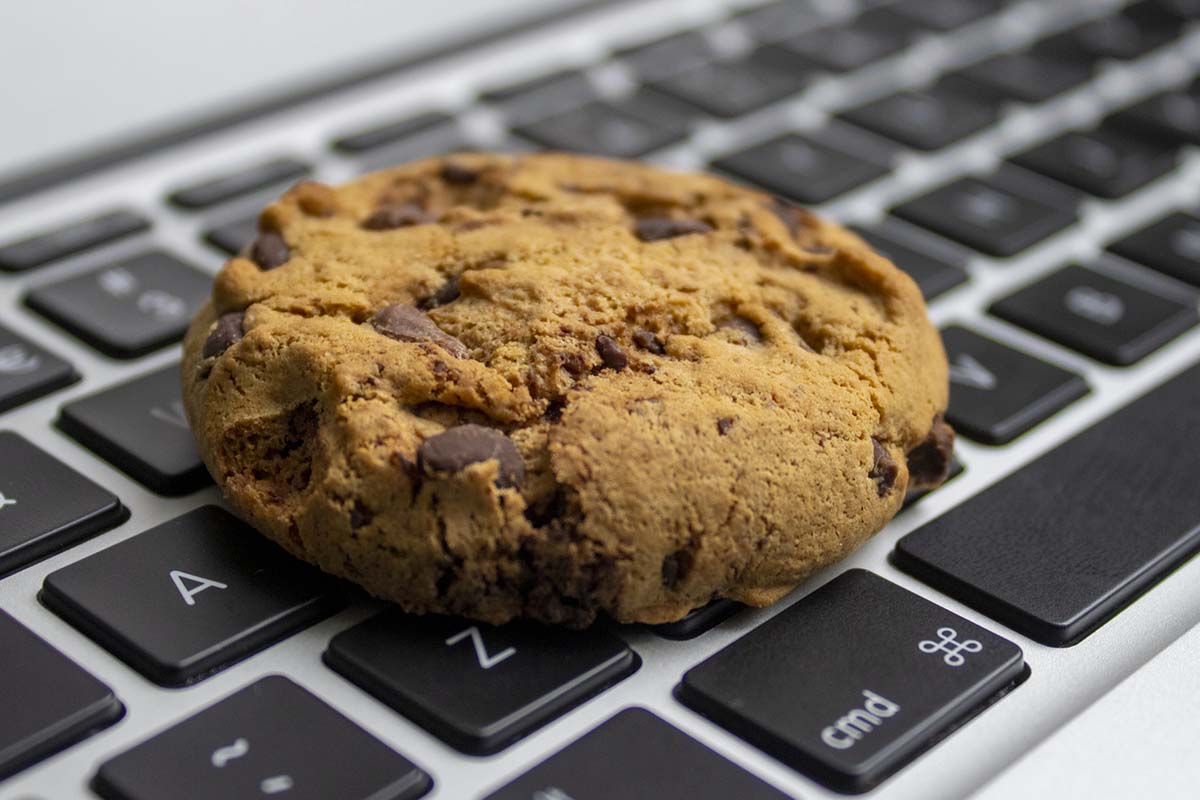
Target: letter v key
[[967, 371], [481, 654]]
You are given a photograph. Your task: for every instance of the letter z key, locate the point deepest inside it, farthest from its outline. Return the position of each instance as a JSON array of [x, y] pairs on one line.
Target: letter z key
[[852, 682]]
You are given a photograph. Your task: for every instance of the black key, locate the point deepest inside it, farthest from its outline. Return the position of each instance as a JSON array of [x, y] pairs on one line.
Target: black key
[[542, 96], [946, 15], [929, 119], [1027, 76], [801, 168], [1172, 118], [1171, 246], [189, 597], [127, 308], [1129, 34], [602, 128], [636, 754], [28, 371], [1104, 162], [478, 687], [852, 682], [76, 237], [233, 236], [50, 703], [847, 47], [226, 187], [699, 620], [998, 216], [781, 19], [1100, 316], [1060, 546], [45, 506], [997, 393], [140, 427], [272, 738], [666, 56], [934, 266], [391, 132], [733, 88]]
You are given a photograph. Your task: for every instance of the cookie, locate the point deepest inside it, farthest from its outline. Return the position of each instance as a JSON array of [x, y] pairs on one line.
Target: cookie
[[554, 387]]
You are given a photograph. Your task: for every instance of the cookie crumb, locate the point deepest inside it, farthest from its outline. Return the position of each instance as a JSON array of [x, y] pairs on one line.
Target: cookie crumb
[[649, 341]]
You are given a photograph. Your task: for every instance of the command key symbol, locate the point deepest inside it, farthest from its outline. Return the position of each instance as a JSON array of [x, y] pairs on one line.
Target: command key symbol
[[6, 501], [951, 646]]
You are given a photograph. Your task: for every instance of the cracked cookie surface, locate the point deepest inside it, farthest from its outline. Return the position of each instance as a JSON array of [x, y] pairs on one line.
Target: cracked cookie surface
[[553, 387]]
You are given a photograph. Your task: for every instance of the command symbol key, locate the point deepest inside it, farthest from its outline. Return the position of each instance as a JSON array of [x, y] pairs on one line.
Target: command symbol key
[[852, 682]]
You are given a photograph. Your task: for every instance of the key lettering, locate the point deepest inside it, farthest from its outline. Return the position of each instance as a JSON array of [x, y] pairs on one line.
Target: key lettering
[[967, 371], [172, 414], [481, 654], [1186, 242], [6, 501], [1090, 303], [857, 723], [191, 585], [551, 793], [16, 360], [277, 784], [223, 755], [949, 644]]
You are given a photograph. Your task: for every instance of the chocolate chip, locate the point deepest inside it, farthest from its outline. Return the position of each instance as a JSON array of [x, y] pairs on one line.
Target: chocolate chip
[[611, 353], [404, 215], [748, 329], [676, 567], [227, 333], [360, 515], [929, 462], [573, 363], [885, 470], [270, 250], [448, 293], [649, 341], [724, 424], [793, 217], [407, 324], [653, 229], [458, 175], [459, 447]]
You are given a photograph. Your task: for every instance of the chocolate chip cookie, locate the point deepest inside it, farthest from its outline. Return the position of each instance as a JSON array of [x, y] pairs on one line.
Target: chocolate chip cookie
[[553, 387]]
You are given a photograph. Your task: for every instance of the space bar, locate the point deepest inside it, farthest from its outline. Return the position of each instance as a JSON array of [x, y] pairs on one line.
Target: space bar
[[1060, 546]]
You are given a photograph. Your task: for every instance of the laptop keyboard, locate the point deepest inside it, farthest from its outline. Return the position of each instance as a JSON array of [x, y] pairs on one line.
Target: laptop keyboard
[[1033, 165]]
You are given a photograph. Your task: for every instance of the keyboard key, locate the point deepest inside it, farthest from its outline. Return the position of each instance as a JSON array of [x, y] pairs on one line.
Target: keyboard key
[[928, 119], [698, 621], [1129, 34], [846, 47], [50, 703], [189, 597], [140, 427], [28, 371], [1100, 316], [272, 738], [391, 132], [127, 308], [542, 96], [781, 19], [1060, 546], [997, 393], [662, 57], [1171, 246], [233, 236], [636, 754], [1171, 117], [946, 15], [932, 265], [800, 168], [996, 216], [1104, 162], [478, 687], [733, 88], [852, 682], [602, 128], [45, 506], [1026, 76], [226, 187], [76, 237]]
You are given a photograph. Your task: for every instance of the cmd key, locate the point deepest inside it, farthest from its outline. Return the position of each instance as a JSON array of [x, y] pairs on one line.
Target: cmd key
[[140, 427], [189, 597], [852, 682], [271, 739], [45, 506], [636, 754], [49, 702], [1062, 545], [478, 687]]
